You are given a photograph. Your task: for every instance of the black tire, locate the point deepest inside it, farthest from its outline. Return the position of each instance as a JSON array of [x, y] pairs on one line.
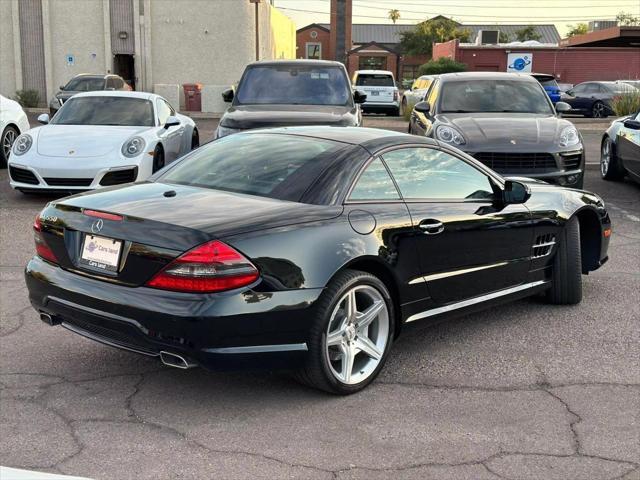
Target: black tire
[[158, 158], [195, 139], [9, 133], [316, 372], [598, 110], [404, 105], [566, 281], [610, 168]]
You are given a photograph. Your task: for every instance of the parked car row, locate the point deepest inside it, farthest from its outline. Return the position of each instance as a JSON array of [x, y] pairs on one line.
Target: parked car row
[[307, 246]]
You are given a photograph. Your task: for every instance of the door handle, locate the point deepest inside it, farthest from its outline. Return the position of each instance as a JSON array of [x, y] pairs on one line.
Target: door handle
[[431, 227]]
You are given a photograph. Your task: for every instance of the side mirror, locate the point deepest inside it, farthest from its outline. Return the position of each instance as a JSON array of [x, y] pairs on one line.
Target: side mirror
[[515, 192], [632, 124], [359, 96], [422, 107], [61, 87], [227, 95], [43, 118], [562, 107], [171, 122]]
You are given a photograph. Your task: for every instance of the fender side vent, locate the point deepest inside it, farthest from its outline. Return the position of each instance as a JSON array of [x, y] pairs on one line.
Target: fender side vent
[[543, 246]]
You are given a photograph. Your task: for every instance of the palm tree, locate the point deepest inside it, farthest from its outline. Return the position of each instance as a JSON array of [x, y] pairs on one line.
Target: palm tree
[[394, 15]]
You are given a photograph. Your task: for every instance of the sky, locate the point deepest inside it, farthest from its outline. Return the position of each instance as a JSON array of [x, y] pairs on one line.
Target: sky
[[559, 12]]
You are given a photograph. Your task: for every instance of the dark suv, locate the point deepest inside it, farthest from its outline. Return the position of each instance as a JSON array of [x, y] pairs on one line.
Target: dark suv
[[86, 83], [291, 92], [507, 122]]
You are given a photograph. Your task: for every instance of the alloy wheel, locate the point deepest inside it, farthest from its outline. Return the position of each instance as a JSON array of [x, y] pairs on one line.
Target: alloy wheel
[[357, 334], [605, 157], [598, 110], [7, 141]]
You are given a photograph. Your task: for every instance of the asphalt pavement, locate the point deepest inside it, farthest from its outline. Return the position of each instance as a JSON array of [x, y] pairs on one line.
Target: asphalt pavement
[[522, 391]]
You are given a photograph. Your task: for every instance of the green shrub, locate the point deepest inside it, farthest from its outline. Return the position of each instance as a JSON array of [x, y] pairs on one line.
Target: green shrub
[[28, 98], [406, 113], [441, 65], [626, 104]]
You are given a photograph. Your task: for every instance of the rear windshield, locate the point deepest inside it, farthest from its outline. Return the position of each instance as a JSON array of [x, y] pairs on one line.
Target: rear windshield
[[85, 84], [547, 81], [374, 80], [294, 85], [509, 96], [268, 165], [118, 111]]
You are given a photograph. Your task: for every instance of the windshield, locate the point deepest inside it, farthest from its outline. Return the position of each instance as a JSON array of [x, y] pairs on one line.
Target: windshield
[[493, 96], [294, 84], [120, 111], [374, 80], [268, 165], [85, 84]]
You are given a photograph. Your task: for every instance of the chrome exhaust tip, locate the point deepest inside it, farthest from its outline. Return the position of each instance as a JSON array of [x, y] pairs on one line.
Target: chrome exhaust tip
[[176, 361], [49, 320]]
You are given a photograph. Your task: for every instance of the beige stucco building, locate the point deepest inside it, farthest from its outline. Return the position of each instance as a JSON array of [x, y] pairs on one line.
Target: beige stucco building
[[153, 44]]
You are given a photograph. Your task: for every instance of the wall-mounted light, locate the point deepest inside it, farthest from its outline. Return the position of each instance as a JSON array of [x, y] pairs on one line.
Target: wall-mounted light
[[123, 35]]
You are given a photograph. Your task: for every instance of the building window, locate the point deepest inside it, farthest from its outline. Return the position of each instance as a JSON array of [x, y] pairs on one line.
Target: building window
[[372, 63], [314, 51], [314, 34], [410, 72]]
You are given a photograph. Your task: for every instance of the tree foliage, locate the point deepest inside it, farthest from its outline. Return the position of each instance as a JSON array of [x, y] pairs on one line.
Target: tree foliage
[[441, 65], [577, 29], [420, 40], [627, 19], [528, 33], [394, 15]]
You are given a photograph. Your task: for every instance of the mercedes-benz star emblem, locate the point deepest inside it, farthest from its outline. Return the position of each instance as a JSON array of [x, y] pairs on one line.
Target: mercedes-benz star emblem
[[97, 226]]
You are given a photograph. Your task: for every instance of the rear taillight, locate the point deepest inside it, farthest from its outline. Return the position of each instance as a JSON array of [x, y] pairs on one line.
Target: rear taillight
[[42, 249], [211, 267], [395, 95]]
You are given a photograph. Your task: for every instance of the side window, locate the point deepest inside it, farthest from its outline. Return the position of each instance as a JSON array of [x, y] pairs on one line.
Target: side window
[[432, 95], [164, 111], [111, 83], [591, 88], [374, 184], [119, 83], [580, 88], [426, 173]]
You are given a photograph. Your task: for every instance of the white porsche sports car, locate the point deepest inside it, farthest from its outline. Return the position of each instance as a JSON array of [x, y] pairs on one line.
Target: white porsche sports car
[[98, 139], [13, 122]]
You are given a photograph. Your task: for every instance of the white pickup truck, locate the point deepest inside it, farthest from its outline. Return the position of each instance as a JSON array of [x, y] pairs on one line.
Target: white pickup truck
[[381, 90]]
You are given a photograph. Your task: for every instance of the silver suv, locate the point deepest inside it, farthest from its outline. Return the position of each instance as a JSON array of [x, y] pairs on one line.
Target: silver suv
[[381, 90]]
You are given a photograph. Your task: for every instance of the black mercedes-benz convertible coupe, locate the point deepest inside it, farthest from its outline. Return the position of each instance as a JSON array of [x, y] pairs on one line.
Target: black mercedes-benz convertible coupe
[[306, 248]]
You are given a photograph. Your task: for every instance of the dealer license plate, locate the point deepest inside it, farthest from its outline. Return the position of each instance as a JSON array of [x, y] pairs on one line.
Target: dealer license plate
[[101, 252]]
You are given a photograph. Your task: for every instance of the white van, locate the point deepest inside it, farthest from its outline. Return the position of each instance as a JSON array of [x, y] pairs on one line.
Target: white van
[[381, 90]]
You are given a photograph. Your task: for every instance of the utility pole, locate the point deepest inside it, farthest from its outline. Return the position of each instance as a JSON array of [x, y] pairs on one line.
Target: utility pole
[[257, 27]]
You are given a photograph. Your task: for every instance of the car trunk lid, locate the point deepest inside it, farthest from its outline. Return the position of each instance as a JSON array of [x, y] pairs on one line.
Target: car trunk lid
[[150, 224]]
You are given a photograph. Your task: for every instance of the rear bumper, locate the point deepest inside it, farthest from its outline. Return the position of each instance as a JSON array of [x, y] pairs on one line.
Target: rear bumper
[[232, 330], [380, 107]]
